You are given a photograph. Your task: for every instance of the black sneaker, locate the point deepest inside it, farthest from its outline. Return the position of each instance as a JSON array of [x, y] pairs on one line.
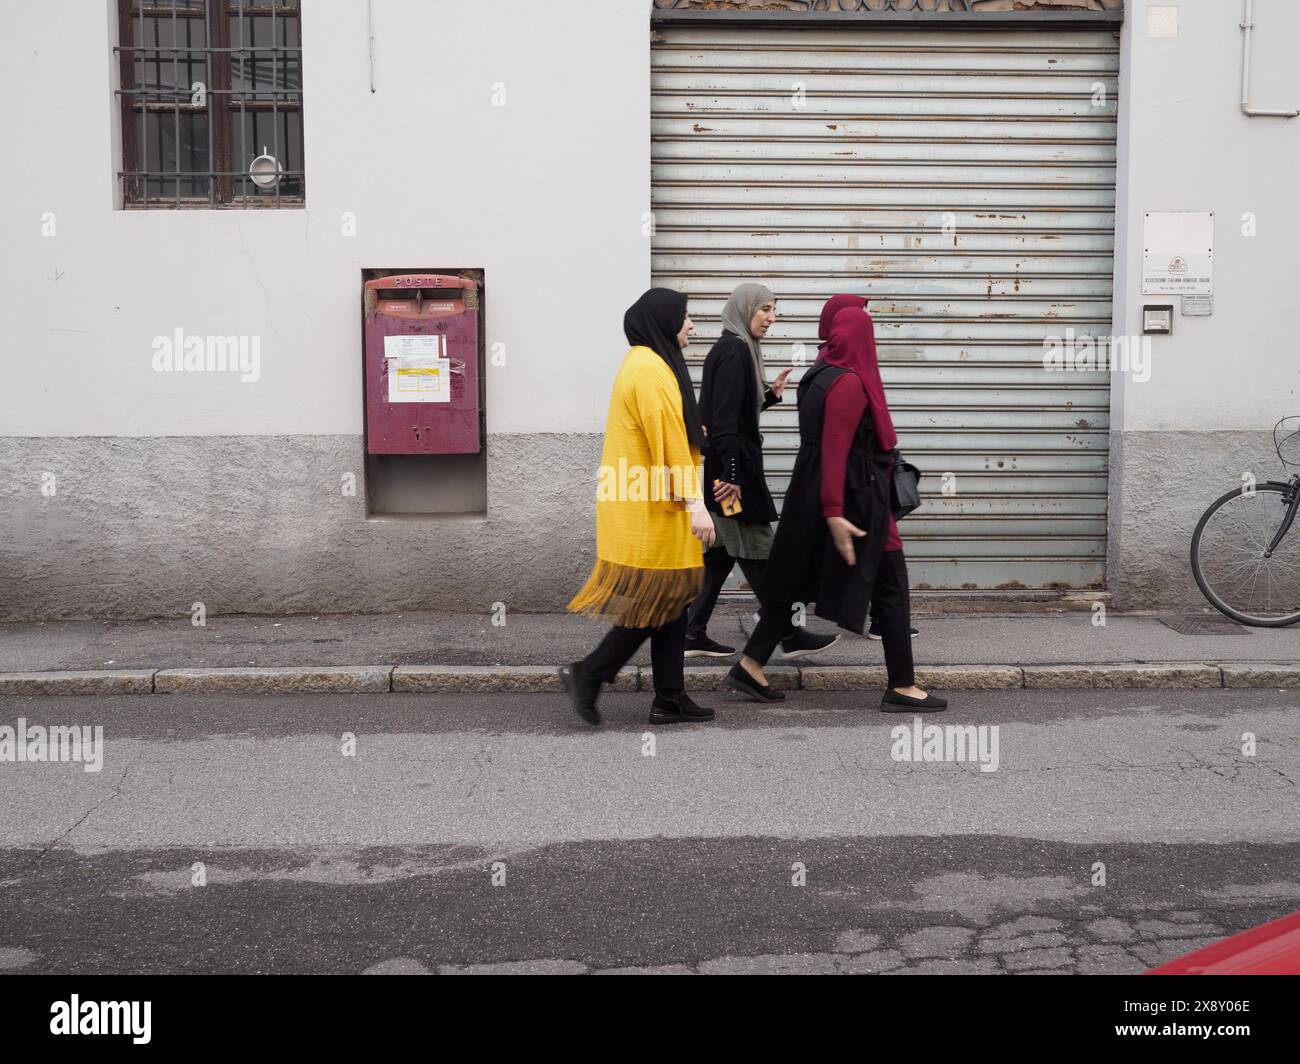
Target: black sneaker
[[582, 690], [739, 680], [874, 632], [704, 647], [806, 644], [893, 702], [679, 710]]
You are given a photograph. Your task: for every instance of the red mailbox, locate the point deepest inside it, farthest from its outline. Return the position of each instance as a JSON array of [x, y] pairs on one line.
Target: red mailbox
[[422, 372]]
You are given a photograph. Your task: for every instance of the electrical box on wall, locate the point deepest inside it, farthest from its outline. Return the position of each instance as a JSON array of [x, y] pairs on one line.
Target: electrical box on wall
[[422, 366]]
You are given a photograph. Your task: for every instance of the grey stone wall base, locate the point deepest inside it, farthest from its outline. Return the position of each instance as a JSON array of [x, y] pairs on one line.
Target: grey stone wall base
[[317, 550], [344, 679], [304, 547], [1160, 484]]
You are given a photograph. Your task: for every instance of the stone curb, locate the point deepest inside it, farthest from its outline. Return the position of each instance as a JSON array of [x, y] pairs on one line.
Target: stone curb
[[90, 682], [970, 677], [1261, 675], [482, 679], [540, 679], [349, 679], [713, 677], [1180, 676]]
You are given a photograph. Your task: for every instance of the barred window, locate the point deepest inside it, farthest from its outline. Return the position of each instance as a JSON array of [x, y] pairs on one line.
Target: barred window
[[211, 103]]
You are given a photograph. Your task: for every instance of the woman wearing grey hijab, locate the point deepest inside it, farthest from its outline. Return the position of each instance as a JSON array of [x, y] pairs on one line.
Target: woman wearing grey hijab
[[733, 393]]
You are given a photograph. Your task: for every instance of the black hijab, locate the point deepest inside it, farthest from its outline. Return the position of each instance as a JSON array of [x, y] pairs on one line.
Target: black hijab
[[654, 321]]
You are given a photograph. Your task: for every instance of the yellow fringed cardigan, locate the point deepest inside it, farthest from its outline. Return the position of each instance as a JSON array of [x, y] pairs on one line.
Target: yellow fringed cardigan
[[648, 565]]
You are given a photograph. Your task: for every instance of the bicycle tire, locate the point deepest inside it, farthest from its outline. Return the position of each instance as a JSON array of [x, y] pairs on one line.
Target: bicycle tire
[[1199, 576]]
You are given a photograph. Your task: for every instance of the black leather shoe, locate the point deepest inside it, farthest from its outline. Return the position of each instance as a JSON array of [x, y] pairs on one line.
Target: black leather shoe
[[874, 632], [704, 647], [680, 709], [739, 680], [893, 702], [582, 690], [806, 644]]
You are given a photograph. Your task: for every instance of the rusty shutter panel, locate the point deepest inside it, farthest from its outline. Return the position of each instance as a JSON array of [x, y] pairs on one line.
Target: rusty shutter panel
[[964, 181]]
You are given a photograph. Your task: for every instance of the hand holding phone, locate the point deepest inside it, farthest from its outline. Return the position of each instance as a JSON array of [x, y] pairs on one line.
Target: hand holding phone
[[728, 497]]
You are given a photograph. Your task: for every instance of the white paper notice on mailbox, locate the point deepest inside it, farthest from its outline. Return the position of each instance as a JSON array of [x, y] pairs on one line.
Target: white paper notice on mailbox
[[417, 370], [429, 346]]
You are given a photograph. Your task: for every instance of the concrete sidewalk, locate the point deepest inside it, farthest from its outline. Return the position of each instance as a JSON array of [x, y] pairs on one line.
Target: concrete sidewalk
[[468, 652]]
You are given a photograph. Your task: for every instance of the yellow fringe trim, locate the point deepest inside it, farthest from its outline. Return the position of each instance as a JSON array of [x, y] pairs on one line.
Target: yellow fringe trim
[[637, 598]]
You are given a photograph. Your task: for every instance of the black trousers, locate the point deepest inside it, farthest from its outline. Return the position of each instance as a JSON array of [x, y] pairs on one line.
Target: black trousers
[[717, 567], [667, 650], [890, 607]]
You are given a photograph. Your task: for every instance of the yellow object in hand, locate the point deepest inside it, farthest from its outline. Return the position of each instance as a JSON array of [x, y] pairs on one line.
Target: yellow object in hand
[[732, 506]]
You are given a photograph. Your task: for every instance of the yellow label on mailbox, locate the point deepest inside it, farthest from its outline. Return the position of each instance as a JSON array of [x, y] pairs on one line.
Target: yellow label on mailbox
[[416, 379]]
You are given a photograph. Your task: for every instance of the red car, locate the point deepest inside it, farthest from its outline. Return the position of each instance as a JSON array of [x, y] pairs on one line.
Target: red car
[[1269, 949]]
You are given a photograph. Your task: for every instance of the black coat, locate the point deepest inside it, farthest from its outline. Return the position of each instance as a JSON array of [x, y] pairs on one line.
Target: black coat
[[804, 565], [733, 447]]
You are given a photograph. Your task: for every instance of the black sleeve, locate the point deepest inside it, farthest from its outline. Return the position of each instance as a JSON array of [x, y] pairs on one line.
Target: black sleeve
[[769, 398], [729, 388]]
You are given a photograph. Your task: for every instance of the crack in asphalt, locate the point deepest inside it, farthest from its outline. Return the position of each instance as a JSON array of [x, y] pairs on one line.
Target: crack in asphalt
[[117, 793]]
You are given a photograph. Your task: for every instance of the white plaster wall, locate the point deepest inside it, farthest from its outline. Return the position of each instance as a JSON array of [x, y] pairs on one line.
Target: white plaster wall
[[546, 194], [1186, 145]]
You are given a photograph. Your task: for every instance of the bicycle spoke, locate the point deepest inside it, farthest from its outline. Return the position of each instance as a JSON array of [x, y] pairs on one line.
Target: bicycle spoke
[[1232, 563]]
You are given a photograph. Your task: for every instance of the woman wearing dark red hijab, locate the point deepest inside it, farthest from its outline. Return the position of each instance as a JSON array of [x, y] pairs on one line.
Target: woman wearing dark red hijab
[[837, 543], [876, 398]]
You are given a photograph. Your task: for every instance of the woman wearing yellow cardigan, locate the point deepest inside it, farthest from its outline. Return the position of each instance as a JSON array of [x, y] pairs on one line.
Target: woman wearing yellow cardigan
[[650, 516]]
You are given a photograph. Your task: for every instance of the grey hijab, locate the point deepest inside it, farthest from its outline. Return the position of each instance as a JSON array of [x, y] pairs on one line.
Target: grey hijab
[[736, 316]]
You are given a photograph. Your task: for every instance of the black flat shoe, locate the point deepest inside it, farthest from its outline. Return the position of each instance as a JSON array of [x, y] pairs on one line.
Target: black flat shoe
[[874, 633], [805, 644], [582, 691], [739, 680], [704, 647], [893, 702], [679, 710]]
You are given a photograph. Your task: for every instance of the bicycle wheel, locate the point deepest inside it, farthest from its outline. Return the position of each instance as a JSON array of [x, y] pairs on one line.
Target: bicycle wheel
[[1228, 559]]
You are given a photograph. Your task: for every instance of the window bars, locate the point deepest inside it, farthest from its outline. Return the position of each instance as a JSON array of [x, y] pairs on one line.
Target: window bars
[[211, 103]]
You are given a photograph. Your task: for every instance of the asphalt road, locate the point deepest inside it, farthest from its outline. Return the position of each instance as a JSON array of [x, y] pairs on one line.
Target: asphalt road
[[492, 833]]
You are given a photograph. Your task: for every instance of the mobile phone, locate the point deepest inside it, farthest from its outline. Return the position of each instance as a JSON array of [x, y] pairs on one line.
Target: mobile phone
[[732, 506]]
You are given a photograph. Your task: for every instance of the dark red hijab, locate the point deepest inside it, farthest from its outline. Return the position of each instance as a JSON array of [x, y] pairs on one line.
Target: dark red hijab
[[833, 306], [851, 344]]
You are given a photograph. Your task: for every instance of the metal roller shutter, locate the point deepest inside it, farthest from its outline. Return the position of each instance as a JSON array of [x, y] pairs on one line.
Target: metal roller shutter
[[999, 133]]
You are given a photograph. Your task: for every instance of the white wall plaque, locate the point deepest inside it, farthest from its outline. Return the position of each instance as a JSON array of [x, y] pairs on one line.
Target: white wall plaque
[[1162, 20], [1178, 253]]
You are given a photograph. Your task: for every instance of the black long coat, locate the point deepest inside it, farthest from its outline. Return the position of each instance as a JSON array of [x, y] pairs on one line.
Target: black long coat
[[733, 448], [804, 565]]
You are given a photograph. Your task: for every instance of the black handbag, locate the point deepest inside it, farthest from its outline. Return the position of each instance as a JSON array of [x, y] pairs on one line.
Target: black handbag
[[904, 489]]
